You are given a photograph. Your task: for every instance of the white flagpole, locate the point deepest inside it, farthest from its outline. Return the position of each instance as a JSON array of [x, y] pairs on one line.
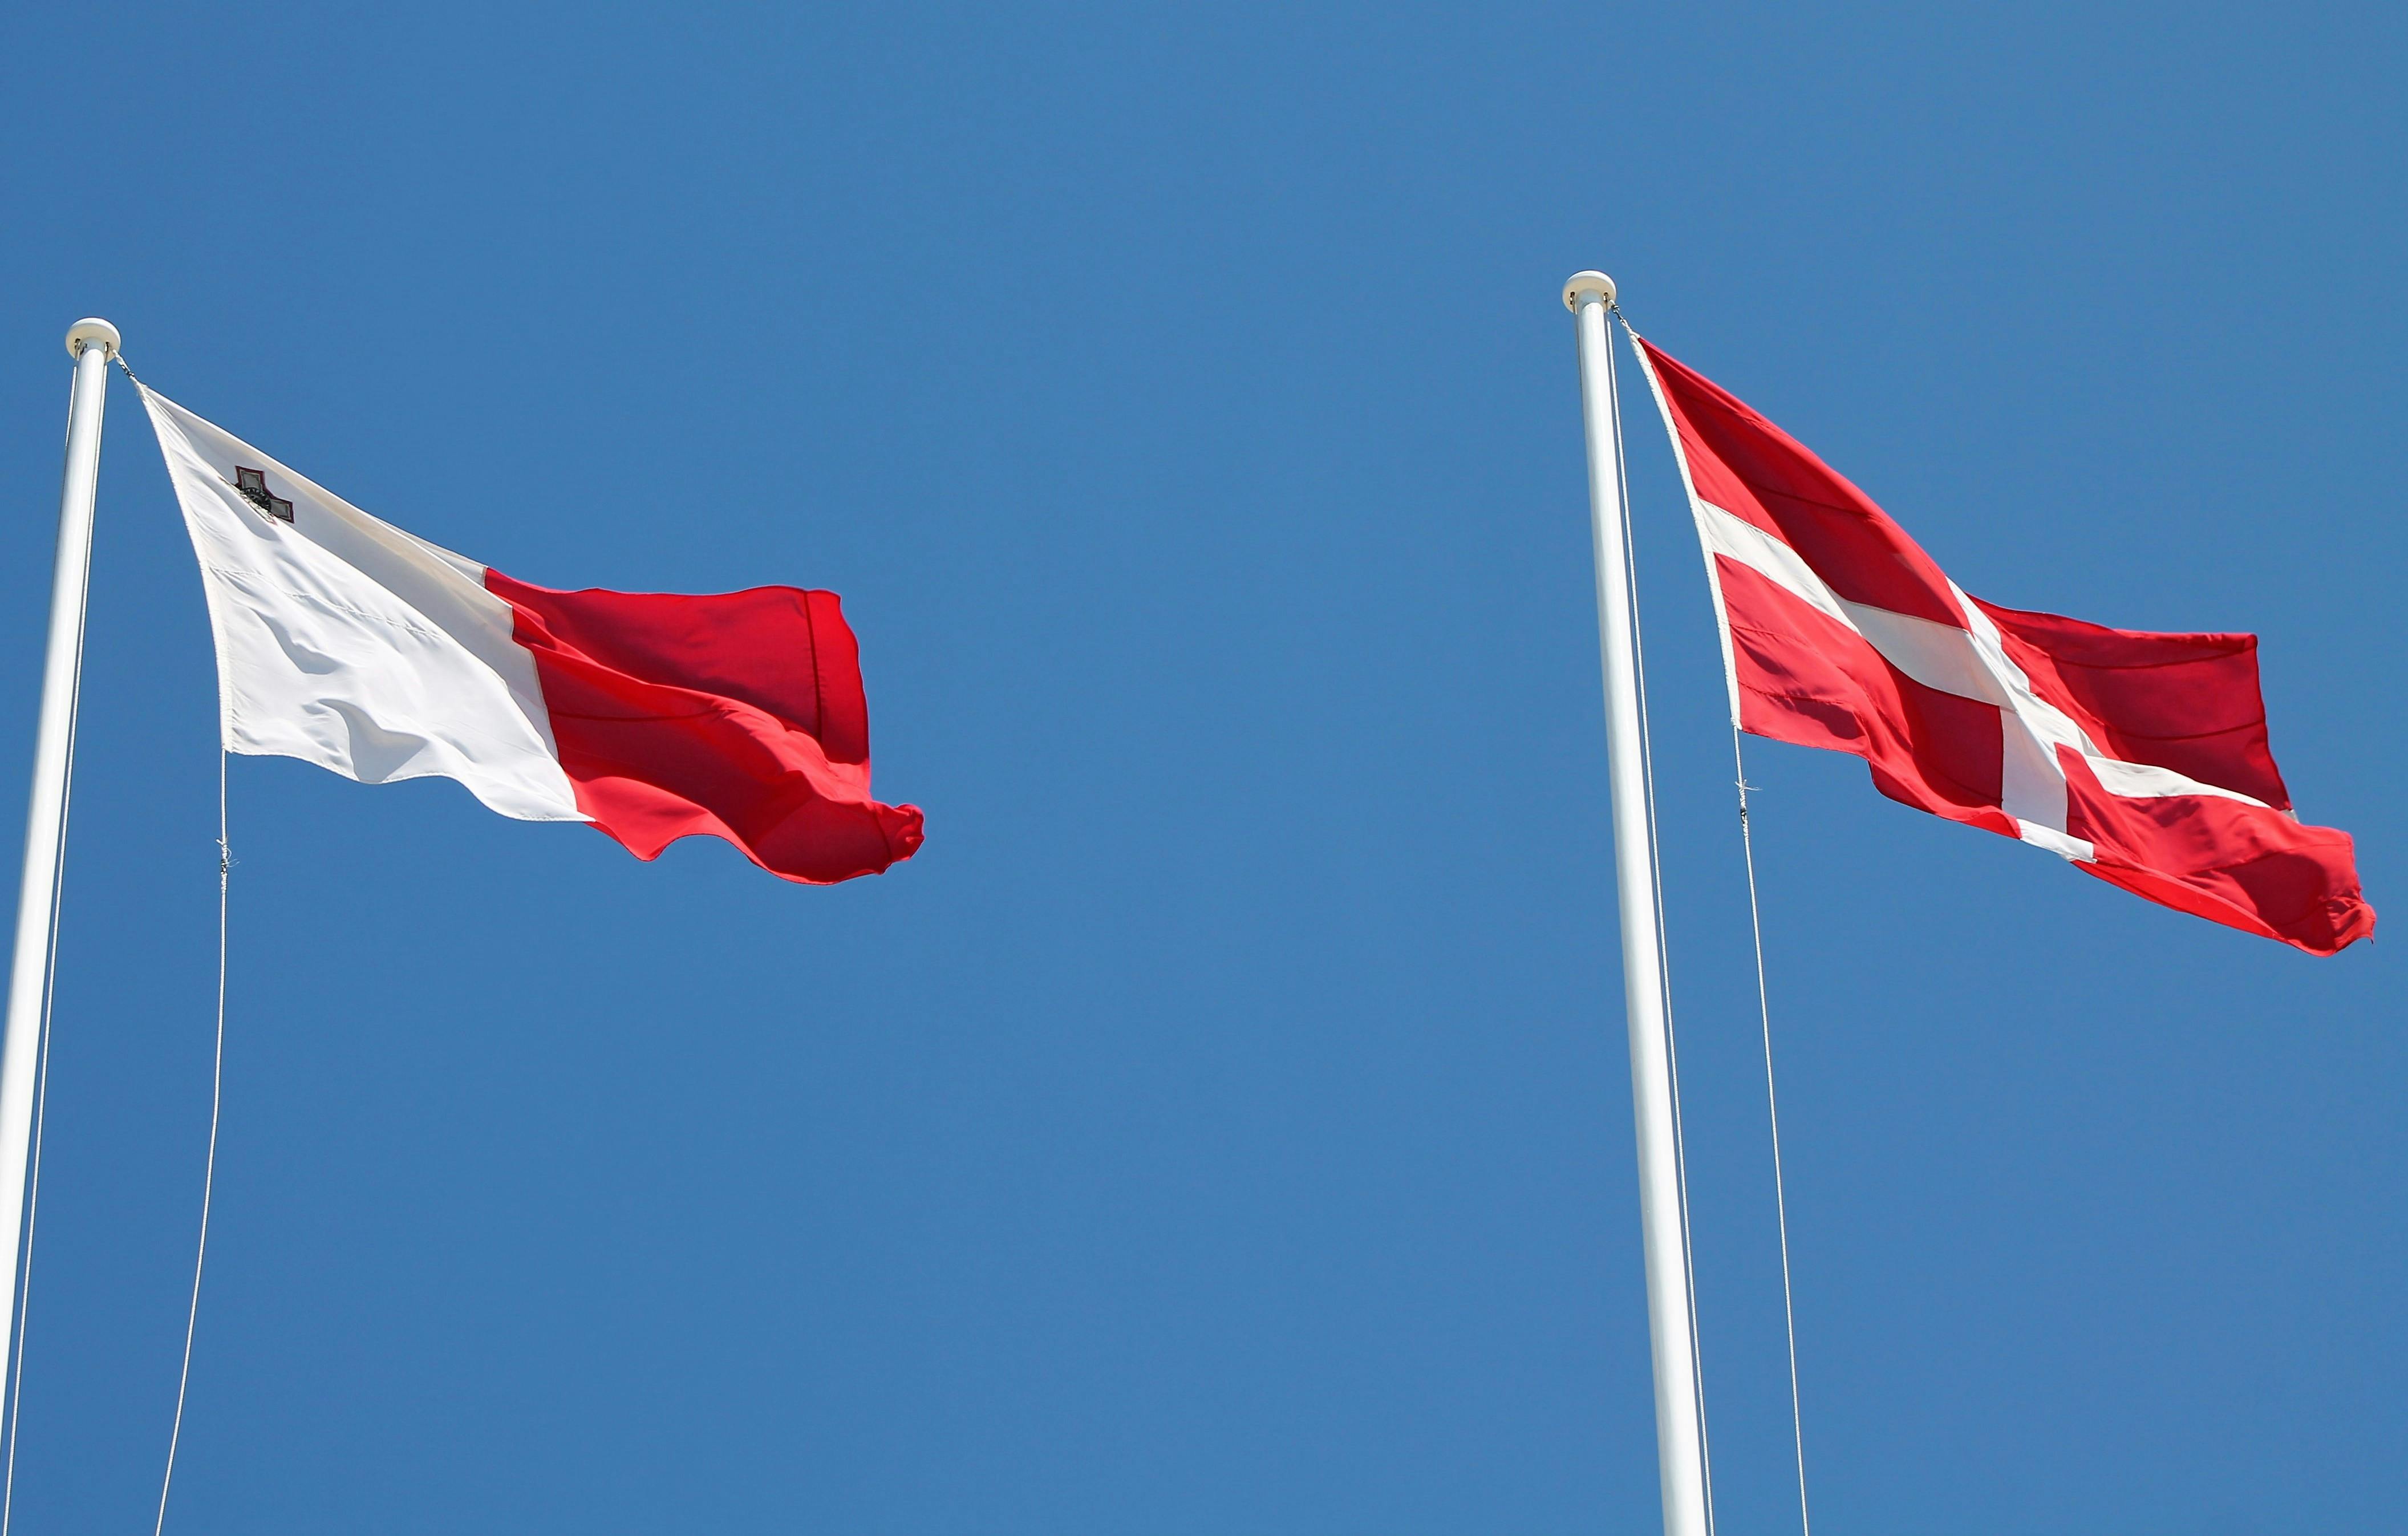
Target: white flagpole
[[92, 343], [1680, 1425]]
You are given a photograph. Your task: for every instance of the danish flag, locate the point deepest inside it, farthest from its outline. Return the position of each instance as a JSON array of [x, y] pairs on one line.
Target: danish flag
[[2142, 758]]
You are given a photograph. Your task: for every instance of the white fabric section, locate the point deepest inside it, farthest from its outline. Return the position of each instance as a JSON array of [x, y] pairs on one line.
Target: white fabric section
[[346, 642], [1938, 656], [2062, 844], [2146, 780], [1723, 533], [2031, 787]]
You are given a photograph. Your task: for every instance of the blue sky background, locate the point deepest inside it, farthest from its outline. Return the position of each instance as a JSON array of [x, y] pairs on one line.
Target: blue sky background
[[1223, 1124]]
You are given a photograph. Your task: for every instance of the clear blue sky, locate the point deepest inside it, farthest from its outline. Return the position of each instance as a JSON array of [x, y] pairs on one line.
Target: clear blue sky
[[1223, 1124]]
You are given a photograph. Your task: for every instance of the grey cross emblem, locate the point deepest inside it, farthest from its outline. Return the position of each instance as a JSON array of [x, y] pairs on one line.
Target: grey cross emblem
[[253, 483]]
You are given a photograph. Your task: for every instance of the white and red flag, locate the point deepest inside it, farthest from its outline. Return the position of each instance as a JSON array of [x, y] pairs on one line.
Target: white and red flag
[[2140, 757], [346, 642]]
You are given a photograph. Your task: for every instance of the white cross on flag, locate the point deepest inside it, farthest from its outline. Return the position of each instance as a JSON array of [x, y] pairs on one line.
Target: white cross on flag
[[2140, 757]]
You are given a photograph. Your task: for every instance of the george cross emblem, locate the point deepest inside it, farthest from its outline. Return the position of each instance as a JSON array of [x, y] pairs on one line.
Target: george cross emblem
[[253, 483]]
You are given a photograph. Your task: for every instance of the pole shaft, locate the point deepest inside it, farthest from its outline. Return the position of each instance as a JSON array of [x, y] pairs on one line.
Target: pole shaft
[[46, 816], [1679, 1426]]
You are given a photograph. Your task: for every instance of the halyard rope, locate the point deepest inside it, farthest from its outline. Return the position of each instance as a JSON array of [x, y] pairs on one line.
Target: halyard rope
[[209, 1168], [1772, 1110], [1663, 947]]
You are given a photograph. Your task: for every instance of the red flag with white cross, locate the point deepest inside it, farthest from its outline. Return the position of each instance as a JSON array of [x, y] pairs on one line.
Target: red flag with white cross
[[2141, 759]]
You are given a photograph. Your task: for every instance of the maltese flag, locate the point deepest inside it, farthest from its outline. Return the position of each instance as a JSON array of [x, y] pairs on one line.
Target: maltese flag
[[346, 642], [2142, 758]]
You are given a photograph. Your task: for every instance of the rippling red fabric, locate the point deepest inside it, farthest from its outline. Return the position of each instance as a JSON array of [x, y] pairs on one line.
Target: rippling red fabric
[[739, 715]]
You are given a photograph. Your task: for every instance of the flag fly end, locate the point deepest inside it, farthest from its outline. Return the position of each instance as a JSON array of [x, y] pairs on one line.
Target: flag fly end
[[1580, 286], [84, 332]]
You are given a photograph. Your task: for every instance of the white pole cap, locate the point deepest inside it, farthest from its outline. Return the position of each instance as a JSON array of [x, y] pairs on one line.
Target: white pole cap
[[88, 331], [1586, 285]]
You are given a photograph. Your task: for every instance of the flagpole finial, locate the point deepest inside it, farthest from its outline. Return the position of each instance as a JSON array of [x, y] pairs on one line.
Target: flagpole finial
[[86, 332], [1585, 284]]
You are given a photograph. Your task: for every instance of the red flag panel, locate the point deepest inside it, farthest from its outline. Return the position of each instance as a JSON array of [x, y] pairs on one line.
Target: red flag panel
[[740, 715]]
